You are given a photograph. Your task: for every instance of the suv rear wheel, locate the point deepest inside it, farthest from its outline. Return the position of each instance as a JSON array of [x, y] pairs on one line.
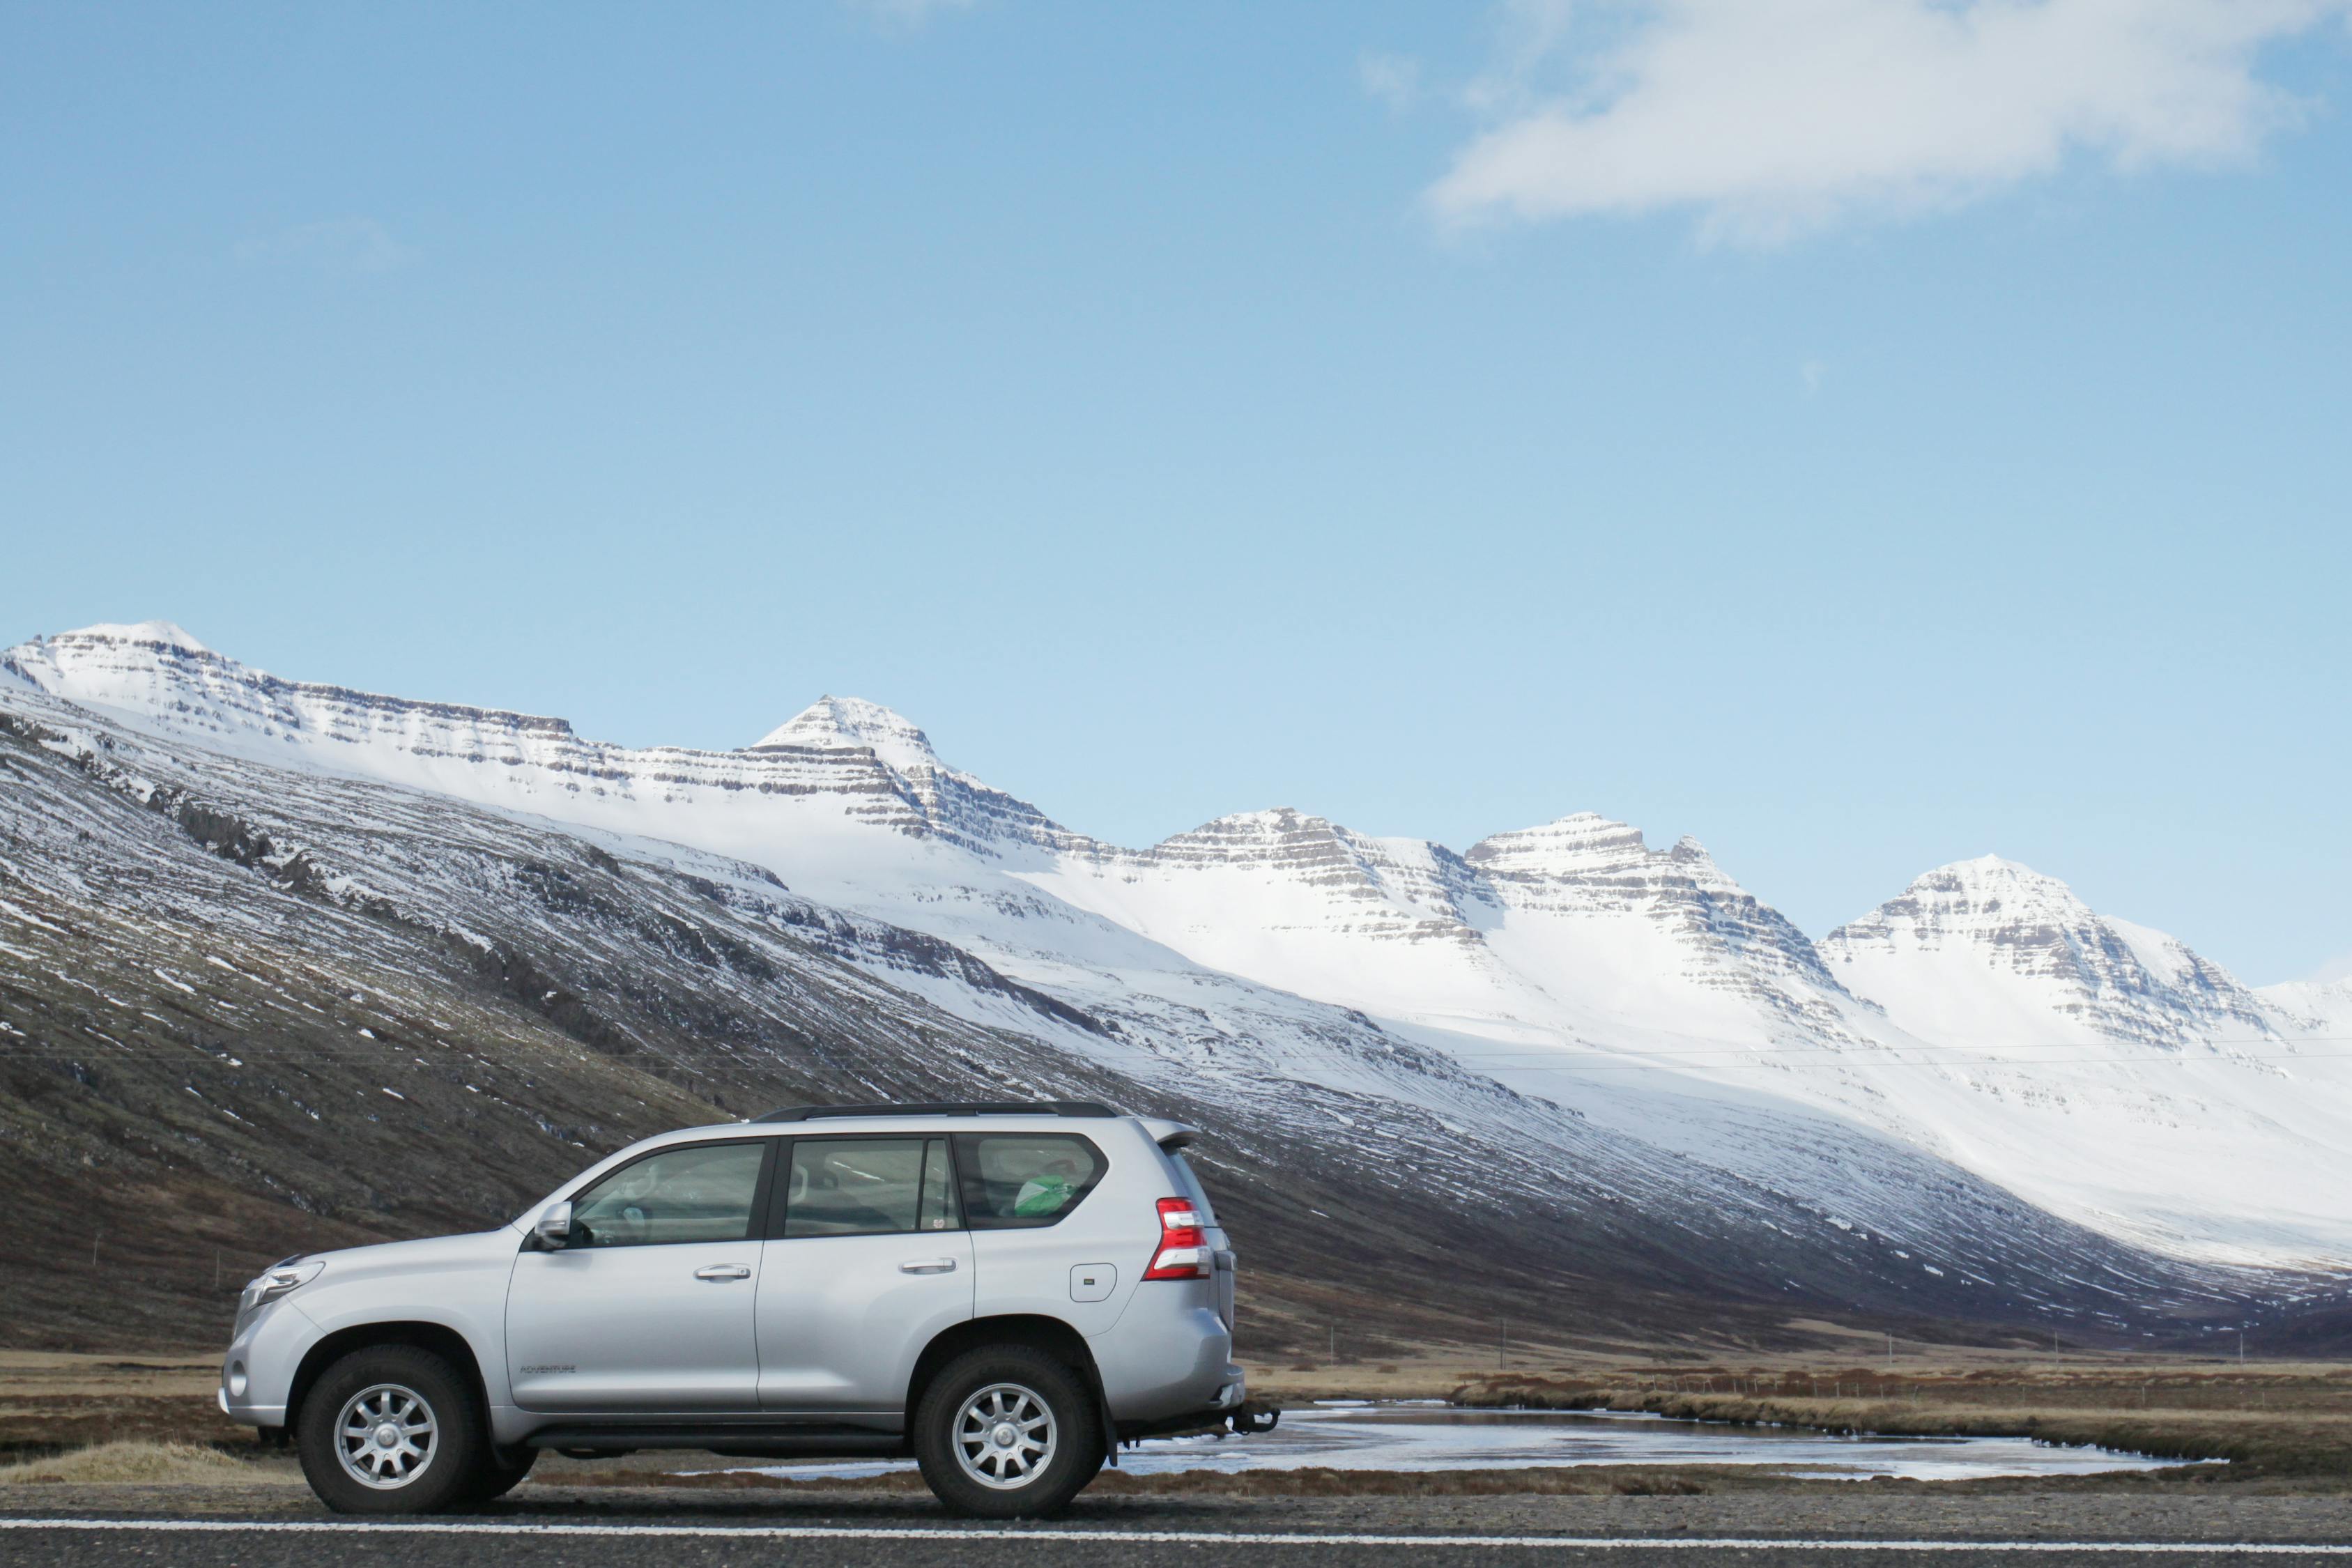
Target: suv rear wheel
[[1007, 1432], [392, 1429]]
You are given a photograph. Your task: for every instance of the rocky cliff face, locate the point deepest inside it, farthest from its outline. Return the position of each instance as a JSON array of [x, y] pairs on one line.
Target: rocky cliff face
[[1587, 866]]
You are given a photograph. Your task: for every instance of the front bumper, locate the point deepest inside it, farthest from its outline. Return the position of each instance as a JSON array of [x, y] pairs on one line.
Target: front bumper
[[258, 1372]]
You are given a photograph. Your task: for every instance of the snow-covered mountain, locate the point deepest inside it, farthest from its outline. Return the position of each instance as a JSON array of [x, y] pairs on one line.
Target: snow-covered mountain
[[1984, 1021], [296, 1006], [2099, 1069], [1988, 951]]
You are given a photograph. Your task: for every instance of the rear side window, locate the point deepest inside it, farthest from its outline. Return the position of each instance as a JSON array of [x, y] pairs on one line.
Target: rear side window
[[867, 1186], [1015, 1180]]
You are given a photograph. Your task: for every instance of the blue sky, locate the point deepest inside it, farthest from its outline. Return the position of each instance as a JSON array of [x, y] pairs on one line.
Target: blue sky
[[1439, 418]]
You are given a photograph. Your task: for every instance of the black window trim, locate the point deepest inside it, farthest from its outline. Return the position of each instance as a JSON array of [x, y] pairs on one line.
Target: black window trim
[[974, 1221], [760, 1189], [778, 1194]]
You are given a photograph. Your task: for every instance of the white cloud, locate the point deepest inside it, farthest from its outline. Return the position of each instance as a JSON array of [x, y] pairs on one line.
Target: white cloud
[[1394, 79], [342, 245], [1766, 117]]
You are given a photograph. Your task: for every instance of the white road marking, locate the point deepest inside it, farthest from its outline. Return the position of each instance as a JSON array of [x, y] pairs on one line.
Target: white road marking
[[1035, 1534]]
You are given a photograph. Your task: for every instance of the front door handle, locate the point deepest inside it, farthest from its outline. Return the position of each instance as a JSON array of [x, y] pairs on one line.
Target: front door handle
[[928, 1266], [723, 1272]]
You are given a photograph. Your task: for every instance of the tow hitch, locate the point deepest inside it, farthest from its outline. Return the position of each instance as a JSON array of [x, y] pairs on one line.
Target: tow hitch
[[1253, 1418], [1244, 1420]]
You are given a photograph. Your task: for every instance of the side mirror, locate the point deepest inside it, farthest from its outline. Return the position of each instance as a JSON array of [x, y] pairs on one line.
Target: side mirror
[[554, 1227]]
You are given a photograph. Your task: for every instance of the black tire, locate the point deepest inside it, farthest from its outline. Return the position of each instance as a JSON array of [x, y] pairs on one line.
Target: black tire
[[399, 1385], [1045, 1483]]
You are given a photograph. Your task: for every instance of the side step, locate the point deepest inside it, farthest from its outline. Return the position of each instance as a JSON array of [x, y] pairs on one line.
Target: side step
[[737, 1441]]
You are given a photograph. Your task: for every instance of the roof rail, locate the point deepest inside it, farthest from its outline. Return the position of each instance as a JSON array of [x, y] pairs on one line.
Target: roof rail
[[948, 1108]]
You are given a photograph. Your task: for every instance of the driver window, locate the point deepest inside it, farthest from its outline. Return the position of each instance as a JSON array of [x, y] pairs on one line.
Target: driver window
[[701, 1192]]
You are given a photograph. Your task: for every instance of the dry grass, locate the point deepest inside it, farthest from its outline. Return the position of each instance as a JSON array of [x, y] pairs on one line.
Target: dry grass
[[51, 1401], [136, 1462]]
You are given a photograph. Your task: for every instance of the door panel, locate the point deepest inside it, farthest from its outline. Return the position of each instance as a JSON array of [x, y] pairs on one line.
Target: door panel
[[636, 1327], [866, 1261], [649, 1306], [842, 1318]]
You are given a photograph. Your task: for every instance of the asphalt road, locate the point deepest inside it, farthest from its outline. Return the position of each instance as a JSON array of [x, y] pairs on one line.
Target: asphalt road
[[688, 1543]]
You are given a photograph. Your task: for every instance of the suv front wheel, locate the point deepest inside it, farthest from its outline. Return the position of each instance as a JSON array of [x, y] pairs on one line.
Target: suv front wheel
[[392, 1429], [1007, 1432]]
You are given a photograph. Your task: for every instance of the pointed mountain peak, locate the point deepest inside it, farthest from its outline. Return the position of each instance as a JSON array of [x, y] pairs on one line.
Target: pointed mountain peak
[[2017, 909], [1990, 878], [1689, 852], [836, 723], [1992, 867], [1977, 940], [1577, 842], [163, 633], [1973, 895]]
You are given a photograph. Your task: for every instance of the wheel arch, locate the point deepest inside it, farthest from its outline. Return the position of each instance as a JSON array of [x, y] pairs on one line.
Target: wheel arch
[[1052, 1335], [439, 1338]]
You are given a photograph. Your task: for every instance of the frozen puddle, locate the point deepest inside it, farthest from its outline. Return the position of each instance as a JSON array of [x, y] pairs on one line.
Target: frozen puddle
[[1406, 1436]]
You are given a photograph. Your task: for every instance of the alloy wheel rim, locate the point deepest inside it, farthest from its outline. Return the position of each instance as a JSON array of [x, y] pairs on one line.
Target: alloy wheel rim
[[385, 1435], [1004, 1437]]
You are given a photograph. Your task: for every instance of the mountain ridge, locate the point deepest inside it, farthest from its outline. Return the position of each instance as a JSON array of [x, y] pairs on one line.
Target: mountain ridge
[[1545, 957], [294, 1006]]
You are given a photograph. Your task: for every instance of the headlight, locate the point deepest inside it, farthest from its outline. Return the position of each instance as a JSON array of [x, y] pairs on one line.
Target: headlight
[[272, 1283]]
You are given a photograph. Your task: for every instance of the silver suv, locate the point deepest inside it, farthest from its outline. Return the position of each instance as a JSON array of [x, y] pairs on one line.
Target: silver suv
[[1005, 1292]]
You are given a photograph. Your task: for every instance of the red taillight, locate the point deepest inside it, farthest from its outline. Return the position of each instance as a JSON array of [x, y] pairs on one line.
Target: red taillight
[[1183, 1247]]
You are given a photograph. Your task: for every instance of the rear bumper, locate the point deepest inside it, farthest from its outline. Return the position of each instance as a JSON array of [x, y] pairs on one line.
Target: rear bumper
[[1165, 1359]]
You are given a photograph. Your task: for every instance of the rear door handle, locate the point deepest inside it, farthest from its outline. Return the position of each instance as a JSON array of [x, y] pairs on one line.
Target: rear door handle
[[723, 1272], [928, 1266]]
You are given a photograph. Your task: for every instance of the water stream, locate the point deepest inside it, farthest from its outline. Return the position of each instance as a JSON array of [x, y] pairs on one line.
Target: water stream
[[1409, 1435]]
